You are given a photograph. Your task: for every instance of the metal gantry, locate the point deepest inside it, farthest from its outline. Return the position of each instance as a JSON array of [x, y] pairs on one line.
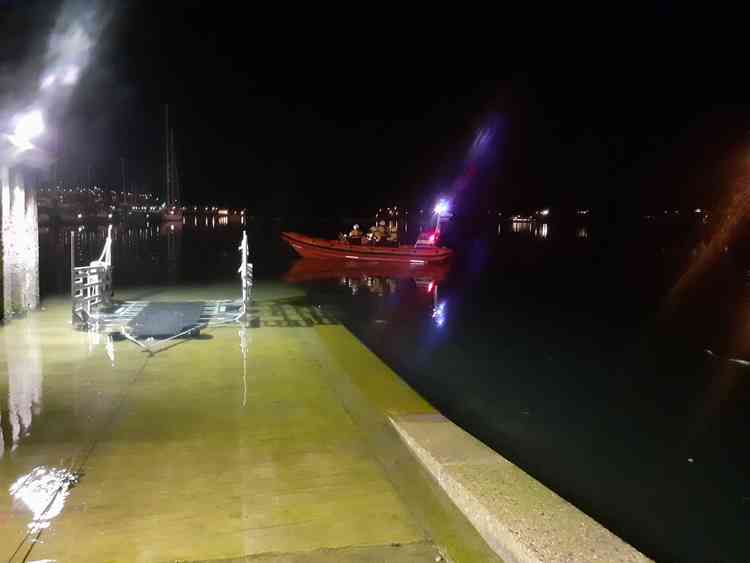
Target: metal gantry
[[91, 286], [92, 307]]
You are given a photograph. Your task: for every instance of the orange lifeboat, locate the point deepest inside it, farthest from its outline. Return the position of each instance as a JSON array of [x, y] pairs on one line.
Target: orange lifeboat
[[311, 247]]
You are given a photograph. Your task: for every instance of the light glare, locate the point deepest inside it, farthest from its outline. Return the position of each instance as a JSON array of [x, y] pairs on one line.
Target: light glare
[[48, 81], [29, 125], [71, 75]]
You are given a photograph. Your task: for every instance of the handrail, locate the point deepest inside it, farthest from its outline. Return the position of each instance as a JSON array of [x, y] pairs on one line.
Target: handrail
[[246, 274], [90, 286], [106, 257]]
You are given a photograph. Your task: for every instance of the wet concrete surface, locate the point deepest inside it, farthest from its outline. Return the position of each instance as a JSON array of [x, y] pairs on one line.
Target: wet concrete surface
[[244, 442], [416, 552]]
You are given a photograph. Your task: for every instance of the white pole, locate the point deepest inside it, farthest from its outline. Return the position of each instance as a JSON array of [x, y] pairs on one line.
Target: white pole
[[245, 273]]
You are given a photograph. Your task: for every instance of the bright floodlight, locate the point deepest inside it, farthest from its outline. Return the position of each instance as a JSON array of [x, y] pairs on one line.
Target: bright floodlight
[[442, 207], [544, 212], [28, 126]]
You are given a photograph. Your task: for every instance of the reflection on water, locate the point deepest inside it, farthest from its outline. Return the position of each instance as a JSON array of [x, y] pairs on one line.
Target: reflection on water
[[311, 269], [541, 231], [43, 492], [537, 230], [438, 312], [243, 352], [143, 254], [95, 340], [174, 250], [23, 356], [392, 285], [375, 285]]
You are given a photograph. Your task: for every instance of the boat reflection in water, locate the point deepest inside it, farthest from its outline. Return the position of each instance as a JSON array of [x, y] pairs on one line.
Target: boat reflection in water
[[313, 269], [377, 279]]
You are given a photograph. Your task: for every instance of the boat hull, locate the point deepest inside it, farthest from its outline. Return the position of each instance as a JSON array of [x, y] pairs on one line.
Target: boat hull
[[310, 247]]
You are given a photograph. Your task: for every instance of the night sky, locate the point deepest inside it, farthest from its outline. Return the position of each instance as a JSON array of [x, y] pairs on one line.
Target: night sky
[[343, 132]]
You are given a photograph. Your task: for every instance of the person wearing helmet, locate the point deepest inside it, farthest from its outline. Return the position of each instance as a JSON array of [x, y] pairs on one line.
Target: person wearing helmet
[[380, 234], [393, 235], [355, 235]]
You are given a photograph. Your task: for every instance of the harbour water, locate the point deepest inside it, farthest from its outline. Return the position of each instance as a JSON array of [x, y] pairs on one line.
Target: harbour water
[[563, 347], [570, 350]]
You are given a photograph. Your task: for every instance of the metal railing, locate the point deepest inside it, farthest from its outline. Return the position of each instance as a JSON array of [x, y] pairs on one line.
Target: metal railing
[[90, 286], [246, 274]]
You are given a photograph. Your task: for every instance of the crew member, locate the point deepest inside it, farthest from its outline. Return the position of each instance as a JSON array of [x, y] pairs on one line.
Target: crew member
[[355, 235], [380, 233], [393, 236]]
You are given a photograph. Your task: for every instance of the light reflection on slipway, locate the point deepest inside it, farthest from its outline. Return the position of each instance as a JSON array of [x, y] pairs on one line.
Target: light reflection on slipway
[[43, 492]]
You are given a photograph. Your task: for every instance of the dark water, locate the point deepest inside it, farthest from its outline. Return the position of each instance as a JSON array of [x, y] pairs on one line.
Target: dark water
[[563, 347]]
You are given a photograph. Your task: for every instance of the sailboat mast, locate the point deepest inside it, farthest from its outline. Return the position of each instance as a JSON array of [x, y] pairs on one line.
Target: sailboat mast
[[167, 158], [175, 174]]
